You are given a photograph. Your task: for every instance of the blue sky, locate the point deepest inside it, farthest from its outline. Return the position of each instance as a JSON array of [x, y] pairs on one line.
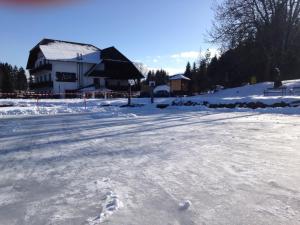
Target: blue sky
[[159, 33]]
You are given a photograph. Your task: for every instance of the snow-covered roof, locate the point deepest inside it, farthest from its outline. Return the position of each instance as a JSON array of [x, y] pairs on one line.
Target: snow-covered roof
[[65, 51], [179, 77]]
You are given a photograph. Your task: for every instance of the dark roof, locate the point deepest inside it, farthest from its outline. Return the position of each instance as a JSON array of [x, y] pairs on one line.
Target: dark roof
[[112, 53], [114, 69], [117, 66]]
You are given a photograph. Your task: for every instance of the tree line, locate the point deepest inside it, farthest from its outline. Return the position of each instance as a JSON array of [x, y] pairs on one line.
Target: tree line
[[12, 78], [160, 77], [256, 36]]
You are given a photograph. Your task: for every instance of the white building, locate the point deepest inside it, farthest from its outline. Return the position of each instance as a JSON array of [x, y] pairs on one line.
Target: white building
[[61, 67]]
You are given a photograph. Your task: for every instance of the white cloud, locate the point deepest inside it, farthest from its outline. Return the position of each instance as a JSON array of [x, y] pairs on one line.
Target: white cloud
[[186, 55]]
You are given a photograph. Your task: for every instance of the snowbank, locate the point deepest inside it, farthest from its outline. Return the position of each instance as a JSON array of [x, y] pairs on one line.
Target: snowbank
[[162, 88], [245, 94]]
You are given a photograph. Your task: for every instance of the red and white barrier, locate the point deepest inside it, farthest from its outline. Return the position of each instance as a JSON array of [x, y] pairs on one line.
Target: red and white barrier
[[77, 94]]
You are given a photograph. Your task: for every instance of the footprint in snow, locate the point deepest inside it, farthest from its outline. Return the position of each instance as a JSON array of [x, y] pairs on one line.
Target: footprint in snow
[[111, 204]]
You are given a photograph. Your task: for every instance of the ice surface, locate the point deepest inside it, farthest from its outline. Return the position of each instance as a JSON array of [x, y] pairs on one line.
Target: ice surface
[[94, 168]]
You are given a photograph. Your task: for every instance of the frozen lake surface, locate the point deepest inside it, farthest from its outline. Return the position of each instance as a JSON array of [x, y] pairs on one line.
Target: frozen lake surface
[[165, 168]]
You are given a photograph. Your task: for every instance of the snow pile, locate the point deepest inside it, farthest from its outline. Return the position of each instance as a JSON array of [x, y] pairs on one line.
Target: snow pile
[[185, 205], [249, 93], [52, 107], [245, 94], [165, 88]]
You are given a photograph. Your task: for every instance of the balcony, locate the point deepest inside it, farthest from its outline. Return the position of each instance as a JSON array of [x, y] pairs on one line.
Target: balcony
[[43, 67], [48, 84]]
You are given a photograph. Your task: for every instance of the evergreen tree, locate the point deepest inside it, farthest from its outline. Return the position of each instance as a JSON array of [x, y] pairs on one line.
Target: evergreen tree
[[194, 79], [21, 80], [159, 76], [188, 70], [7, 86], [212, 71], [203, 80], [150, 76]]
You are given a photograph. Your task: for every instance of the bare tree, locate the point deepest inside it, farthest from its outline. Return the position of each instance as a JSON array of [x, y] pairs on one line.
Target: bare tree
[[272, 24]]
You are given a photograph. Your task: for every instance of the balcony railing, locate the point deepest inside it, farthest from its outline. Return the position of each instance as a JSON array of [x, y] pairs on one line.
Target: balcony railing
[[43, 67]]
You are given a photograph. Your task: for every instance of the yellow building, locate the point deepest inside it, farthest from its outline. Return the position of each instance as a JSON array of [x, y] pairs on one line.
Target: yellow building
[[179, 84]]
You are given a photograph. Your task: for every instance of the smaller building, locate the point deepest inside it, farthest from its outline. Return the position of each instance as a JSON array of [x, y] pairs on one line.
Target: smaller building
[[179, 84]]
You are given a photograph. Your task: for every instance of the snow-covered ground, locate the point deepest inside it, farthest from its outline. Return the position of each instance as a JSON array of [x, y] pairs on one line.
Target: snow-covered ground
[[248, 93], [174, 166], [104, 164], [252, 93]]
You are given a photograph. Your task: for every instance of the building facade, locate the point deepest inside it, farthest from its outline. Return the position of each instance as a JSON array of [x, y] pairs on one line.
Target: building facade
[[62, 68]]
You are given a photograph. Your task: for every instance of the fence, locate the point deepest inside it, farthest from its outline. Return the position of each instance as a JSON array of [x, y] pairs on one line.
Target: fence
[[76, 95], [92, 94], [282, 91]]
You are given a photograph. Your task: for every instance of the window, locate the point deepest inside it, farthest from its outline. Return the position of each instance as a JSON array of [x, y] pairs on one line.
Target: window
[[50, 79], [65, 77]]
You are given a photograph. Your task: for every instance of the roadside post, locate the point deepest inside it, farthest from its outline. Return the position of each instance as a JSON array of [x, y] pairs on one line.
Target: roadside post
[[152, 86], [84, 99], [37, 103], [130, 84]]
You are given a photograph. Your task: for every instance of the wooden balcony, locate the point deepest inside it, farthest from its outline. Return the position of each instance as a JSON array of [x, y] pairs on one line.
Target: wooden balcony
[[44, 67]]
